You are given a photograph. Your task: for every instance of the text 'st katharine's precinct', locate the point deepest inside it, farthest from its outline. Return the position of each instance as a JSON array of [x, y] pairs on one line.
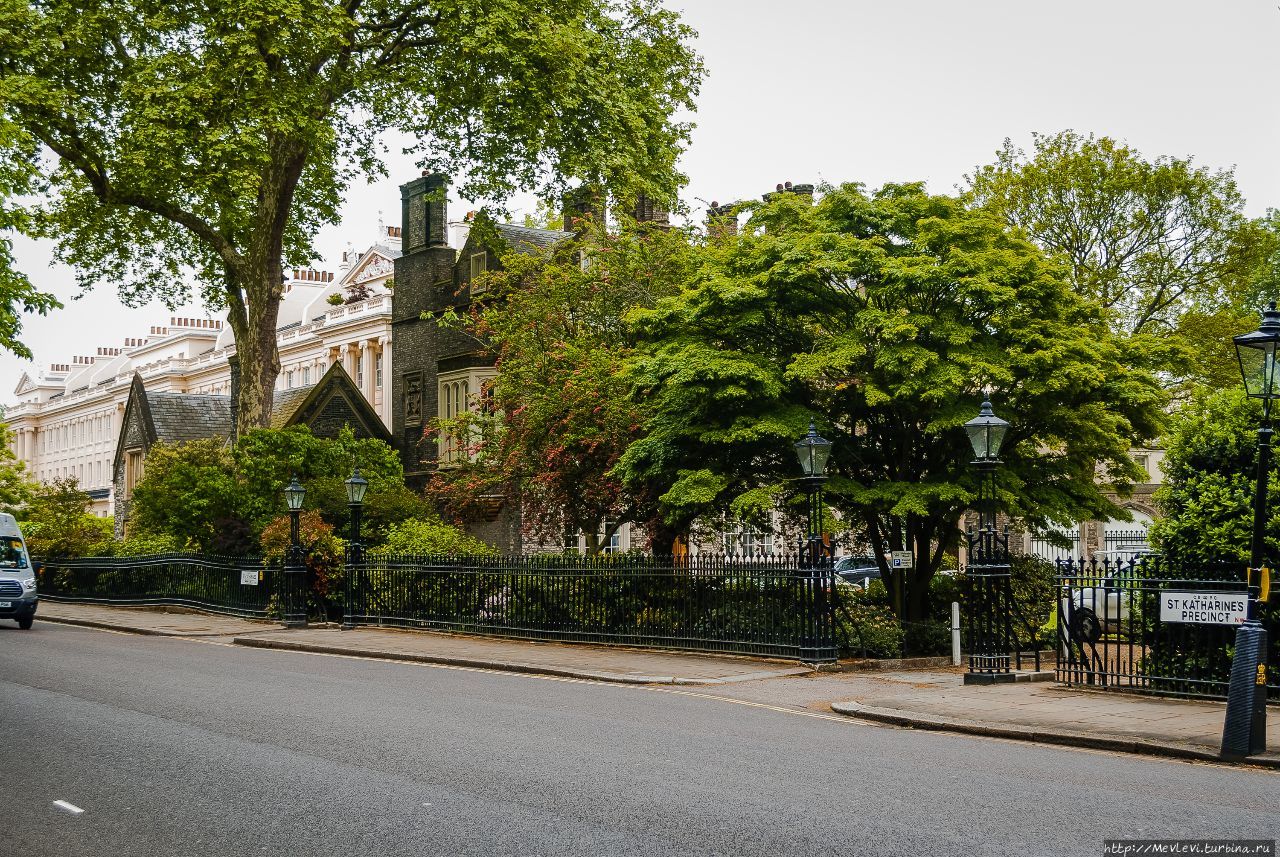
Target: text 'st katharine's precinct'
[[1204, 608]]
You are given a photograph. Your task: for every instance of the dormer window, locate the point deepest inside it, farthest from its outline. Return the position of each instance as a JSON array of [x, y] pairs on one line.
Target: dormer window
[[479, 264]]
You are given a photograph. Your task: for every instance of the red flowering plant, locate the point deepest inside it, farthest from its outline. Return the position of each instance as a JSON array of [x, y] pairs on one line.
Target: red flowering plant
[[558, 415], [322, 555]]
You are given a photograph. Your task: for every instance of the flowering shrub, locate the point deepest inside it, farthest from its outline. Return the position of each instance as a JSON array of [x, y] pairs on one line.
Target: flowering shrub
[[322, 555]]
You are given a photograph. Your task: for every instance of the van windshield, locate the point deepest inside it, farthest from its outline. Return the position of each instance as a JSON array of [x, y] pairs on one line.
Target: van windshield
[[12, 554]]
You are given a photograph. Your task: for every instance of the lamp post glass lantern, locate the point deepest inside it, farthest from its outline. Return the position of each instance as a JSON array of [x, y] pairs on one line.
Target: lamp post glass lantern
[[813, 450], [986, 433], [1244, 731]]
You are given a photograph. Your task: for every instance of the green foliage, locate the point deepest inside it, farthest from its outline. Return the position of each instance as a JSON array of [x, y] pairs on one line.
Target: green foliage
[[202, 495], [430, 537], [1210, 467], [15, 490], [56, 522], [266, 459], [188, 492], [882, 316], [155, 139], [1034, 592], [1147, 239], [865, 625], [561, 412], [17, 295], [146, 544]]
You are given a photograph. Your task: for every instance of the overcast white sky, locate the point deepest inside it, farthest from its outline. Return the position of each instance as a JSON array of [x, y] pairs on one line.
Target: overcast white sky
[[876, 91]]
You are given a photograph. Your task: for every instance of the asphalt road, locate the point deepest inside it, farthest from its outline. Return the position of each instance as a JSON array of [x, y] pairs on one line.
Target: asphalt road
[[177, 747]]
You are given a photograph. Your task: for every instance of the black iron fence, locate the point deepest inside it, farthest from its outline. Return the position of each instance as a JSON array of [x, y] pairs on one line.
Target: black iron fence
[[232, 585], [758, 605], [764, 605], [1148, 625]]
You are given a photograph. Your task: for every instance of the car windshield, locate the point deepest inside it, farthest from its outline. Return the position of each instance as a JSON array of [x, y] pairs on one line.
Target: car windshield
[[12, 554]]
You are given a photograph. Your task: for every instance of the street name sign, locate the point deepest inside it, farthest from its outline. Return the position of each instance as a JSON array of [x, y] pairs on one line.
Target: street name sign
[[1204, 608], [902, 559], [249, 578]]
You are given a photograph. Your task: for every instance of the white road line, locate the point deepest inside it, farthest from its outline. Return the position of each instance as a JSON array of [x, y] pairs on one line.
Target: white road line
[[68, 807]]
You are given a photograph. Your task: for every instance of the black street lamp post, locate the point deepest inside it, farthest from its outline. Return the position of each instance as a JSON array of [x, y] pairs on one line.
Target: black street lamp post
[[356, 486], [1244, 732], [988, 574], [817, 640], [295, 572], [813, 451]]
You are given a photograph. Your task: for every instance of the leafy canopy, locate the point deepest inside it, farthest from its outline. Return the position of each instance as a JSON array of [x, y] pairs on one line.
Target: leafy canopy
[[56, 522], [1162, 245], [162, 144], [881, 317], [1210, 466]]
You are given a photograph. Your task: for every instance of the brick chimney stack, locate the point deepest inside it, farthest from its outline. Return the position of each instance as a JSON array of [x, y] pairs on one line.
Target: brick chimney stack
[[580, 206], [648, 211], [722, 220]]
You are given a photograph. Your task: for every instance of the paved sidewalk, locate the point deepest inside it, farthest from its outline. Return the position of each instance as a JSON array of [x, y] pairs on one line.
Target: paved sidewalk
[[601, 663], [149, 620], [1054, 714]]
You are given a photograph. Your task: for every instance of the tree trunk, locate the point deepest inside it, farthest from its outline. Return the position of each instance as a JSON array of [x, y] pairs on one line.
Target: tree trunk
[[254, 311]]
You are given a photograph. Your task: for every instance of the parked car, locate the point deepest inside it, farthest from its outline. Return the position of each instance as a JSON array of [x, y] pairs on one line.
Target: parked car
[[18, 596], [856, 571]]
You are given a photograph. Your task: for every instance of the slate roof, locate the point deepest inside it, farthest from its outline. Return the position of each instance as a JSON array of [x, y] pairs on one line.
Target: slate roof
[[387, 251], [286, 402], [184, 416], [526, 239]]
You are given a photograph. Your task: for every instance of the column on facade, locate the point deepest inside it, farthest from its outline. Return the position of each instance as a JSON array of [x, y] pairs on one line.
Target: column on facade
[[383, 342], [367, 351]]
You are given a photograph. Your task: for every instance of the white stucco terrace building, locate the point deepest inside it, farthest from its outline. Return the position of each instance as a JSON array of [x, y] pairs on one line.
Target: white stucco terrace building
[[66, 420]]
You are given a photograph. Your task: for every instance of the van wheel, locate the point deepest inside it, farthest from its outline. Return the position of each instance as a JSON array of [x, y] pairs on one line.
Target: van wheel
[[25, 622]]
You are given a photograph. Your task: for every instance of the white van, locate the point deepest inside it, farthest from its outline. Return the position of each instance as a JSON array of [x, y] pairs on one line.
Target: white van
[[18, 597]]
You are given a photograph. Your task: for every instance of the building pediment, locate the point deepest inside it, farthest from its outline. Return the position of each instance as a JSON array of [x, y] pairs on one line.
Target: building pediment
[[373, 266], [25, 385]]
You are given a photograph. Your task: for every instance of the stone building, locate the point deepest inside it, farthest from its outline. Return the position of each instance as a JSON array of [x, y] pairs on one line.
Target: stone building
[[150, 417]]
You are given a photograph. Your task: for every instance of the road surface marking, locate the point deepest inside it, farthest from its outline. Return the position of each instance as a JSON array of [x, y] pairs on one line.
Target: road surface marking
[[68, 807]]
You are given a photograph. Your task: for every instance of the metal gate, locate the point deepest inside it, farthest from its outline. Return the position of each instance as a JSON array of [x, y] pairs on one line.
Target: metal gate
[[1111, 634]]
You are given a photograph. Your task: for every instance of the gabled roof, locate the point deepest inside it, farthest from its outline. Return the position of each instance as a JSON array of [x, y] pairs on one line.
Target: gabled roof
[[376, 262], [177, 417], [25, 385], [333, 398], [180, 417], [528, 239]]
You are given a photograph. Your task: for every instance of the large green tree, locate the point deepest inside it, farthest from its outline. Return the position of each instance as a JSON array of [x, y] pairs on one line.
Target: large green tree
[[1210, 466], [161, 140], [882, 317], [1161, 244], [559, 412]]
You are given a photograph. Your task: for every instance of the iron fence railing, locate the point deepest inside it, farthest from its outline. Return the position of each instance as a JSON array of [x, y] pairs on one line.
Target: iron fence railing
[[234, 586], [761, 605], [1111, 633], [1041, 546]]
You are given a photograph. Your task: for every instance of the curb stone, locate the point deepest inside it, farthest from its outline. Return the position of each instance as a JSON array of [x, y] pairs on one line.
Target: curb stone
[[1139, 746], [502, 666], [137, 629]]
